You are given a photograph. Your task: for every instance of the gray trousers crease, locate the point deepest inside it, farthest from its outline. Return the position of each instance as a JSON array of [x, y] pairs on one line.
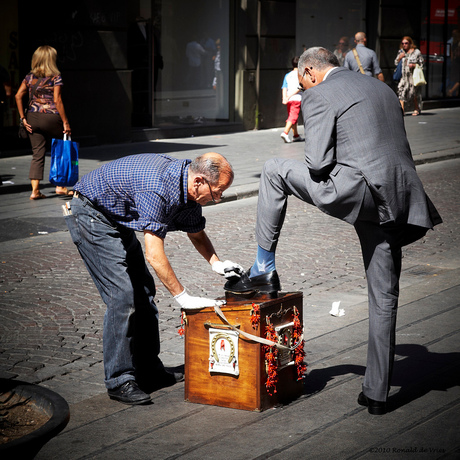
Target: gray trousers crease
[[381, 249]]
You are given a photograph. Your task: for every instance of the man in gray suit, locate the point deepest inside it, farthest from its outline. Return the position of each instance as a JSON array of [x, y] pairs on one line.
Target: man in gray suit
[[359, 168]]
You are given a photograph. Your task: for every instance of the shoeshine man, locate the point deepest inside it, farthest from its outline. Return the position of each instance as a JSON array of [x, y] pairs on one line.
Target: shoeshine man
[[153, 194], [359, 168]]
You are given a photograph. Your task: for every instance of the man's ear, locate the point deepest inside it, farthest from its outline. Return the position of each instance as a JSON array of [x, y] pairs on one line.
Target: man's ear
[[198, 180]]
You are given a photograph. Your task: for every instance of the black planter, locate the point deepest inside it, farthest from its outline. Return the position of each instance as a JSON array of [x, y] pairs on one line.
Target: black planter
[[44, 400]]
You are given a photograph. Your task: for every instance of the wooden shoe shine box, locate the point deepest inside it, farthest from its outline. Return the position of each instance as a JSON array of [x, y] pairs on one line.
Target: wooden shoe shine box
[[224, 368]]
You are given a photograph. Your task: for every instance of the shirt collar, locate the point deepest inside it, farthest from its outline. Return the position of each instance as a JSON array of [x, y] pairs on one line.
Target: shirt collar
[[328, 72], [185, 182]]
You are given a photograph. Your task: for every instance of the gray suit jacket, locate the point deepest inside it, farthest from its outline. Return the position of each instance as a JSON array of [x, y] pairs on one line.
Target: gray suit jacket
[[355, 138]]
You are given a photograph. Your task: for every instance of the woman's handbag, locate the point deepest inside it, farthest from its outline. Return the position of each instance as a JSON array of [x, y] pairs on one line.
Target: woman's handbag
[[64, 162], [418, 77], [398, 71]]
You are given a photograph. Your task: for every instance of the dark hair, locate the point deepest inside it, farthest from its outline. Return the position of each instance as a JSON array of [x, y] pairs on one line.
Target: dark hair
[[318, 58], [211, 167], [295, 61]]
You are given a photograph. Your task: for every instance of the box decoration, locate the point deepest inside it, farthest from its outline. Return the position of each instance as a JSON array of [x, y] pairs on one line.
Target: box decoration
[[275, 358], [245, 354]]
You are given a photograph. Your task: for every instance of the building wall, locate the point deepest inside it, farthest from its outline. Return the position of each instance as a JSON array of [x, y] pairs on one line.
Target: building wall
[[396, 19], [265, 40], [90, 38]]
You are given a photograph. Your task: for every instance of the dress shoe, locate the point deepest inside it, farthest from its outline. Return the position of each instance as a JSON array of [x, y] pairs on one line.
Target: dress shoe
[[374, 407], [129, 393], [266, 282], [159, 380]]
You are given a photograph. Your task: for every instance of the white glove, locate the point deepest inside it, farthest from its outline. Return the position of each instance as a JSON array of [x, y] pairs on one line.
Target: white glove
[[228, 268], [188, 302]]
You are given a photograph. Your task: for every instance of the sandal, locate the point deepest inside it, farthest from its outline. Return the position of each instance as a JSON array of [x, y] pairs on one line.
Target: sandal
[[64, 191], [40, 196], [415, 113]]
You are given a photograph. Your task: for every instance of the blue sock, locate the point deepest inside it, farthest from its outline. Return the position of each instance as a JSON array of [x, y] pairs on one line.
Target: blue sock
[[265, 262]]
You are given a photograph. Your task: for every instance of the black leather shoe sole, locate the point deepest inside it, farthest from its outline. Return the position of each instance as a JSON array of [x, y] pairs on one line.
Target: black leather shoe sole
[[265, 283], [373, 407], [129, 393]]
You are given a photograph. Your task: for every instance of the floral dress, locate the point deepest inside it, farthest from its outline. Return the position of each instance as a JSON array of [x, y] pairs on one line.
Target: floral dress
[[406, 89]]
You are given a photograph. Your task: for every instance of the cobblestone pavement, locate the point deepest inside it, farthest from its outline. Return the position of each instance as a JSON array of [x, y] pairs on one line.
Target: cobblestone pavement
[[51, 313]]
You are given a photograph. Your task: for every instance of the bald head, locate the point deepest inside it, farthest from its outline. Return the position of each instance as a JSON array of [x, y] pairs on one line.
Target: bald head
[[209, 175], [360, 37], [213, 166]]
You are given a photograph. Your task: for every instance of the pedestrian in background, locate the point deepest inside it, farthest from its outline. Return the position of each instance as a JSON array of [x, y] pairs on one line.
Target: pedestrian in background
[[45, 117], [363, 59], [342, 49], [407, 92], [292, 98]]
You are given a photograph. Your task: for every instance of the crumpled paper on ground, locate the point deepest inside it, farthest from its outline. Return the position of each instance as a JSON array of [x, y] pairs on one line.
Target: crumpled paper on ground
[[335, 309]]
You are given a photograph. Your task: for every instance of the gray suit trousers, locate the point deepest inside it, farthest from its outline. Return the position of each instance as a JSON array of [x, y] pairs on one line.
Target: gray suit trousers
[[381, 249]]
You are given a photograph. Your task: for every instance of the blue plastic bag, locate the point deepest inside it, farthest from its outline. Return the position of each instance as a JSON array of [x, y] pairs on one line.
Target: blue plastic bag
[[64, 162], [398, 71]]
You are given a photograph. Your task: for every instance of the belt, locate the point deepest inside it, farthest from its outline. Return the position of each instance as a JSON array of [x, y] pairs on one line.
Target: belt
[[83, 198]]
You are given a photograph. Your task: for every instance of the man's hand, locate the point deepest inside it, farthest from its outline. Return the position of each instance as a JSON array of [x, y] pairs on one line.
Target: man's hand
[[228, 268], [188, 302]]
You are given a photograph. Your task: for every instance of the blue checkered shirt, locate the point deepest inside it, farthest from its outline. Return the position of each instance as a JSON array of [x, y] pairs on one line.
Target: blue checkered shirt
[[144, 192]]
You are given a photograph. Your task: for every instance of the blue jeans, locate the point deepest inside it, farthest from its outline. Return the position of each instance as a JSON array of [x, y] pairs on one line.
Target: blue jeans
[[115, 261]]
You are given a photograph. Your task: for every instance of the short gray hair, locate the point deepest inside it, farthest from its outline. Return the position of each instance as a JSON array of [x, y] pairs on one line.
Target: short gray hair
[[317, 57], [211, 166]]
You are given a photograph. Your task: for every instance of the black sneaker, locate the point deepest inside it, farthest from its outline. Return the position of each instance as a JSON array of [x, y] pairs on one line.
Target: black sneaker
[[129, 393]]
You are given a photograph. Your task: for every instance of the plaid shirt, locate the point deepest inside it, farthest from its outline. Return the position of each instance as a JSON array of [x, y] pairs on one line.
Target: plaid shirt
[[144, 192]]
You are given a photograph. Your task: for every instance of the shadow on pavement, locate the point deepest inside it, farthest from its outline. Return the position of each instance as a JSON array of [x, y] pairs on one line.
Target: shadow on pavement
[[112, 152], [421, 372], [317, 379], [18, 228]]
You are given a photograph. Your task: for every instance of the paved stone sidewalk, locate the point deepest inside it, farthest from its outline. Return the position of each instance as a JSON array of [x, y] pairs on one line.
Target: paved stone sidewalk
[[52, 313]]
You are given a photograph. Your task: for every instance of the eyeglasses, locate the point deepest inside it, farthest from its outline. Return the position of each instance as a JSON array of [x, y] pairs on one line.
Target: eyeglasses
[[303, 75], [210, 191], [404, 43]]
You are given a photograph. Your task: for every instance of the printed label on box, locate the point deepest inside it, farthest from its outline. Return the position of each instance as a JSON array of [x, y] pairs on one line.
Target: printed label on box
[[223, 351]]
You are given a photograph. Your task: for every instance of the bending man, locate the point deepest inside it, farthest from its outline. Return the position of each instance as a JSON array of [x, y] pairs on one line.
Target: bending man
[[154, 194]]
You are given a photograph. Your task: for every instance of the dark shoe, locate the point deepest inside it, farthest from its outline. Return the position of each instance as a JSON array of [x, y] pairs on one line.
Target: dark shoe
[[160, 380], [267, 282], [171, 378], [129, 393], [374, 407]]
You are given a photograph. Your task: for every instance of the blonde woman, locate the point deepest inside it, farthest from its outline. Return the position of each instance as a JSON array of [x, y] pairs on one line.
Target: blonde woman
[[411, 56], [46, 118]]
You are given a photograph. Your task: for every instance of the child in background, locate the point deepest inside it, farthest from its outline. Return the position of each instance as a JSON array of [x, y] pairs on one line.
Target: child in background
[[292, 98]]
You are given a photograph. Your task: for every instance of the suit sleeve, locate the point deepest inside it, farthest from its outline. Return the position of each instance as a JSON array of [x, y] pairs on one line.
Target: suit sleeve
[[320, 133]]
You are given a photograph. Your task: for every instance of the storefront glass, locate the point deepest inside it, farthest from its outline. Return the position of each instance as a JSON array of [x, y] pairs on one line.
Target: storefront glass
[[439, 45], [191, 79]]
